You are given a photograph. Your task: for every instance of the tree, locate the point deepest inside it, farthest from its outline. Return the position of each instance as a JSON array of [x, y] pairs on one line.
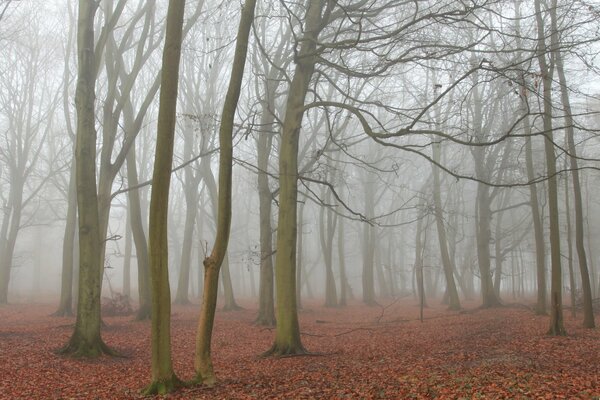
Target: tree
[[588, 311], [164, 379], [556, 312], [86, 340], [202, 359], [287, 336]]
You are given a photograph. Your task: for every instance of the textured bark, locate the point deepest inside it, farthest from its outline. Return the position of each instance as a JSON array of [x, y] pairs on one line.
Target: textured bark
[[202, 359], [163, 377], [86, 340]]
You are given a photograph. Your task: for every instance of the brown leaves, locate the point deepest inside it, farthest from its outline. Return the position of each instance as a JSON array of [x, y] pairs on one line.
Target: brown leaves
[[501, 353]]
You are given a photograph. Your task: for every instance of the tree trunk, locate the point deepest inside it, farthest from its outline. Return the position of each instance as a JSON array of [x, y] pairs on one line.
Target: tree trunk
[[164, 379], [229, 300], [127, 258], [139, 239], [266, 304], [86, 340], [447, 262], [572, 285], [202, 359], [287, 336], [342, 261], [484, 216], [556, 312], [327, 224], [191, 183], [65, 306], [300, 278], [588, 310]]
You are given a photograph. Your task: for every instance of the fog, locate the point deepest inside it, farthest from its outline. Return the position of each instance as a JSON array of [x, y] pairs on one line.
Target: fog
[[425, 127]]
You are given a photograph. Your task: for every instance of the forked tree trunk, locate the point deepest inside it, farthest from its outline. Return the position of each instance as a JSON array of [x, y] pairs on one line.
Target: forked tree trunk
[[86, 340]]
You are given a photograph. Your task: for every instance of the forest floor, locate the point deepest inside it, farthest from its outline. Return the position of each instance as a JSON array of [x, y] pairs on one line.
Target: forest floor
[[360, 353]]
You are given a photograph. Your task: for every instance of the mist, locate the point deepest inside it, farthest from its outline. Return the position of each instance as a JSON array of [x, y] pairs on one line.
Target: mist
[[433, 157]]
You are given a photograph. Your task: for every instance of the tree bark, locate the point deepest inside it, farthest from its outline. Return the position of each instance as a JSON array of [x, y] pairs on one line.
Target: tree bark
[[202, 359], [164, 379], [556, 311], [86, 340], [65, 305], [588, 310], [447, 262]]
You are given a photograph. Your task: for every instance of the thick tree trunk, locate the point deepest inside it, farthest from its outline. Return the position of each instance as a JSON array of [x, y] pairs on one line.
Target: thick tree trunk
[[287, 336], [86, 340]]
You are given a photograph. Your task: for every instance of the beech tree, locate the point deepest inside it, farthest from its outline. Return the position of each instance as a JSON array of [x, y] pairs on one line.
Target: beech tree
[[202, 360], [164, 379]]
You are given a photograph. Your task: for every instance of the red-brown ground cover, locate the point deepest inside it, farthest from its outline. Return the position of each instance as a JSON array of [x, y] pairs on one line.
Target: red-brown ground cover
[[362, 352]]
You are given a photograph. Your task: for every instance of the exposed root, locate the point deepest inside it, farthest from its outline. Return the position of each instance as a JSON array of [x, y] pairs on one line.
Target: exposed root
[[79, 348]]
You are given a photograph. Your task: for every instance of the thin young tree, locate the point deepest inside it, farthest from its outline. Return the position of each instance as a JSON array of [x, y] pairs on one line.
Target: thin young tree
[[164, 379], [212, 264]]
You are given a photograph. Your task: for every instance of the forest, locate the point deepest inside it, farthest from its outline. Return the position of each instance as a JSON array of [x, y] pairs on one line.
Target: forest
[[273, 199]]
